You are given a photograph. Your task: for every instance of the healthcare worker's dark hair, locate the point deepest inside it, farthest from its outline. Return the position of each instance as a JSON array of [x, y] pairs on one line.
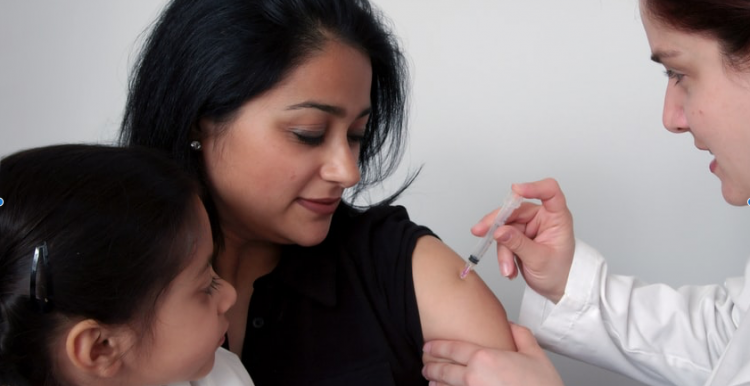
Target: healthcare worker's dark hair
[[728, 21], [86, 232], [205, 58]]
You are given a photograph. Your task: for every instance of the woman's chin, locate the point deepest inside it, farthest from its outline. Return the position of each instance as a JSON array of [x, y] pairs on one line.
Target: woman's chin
[[312, 235]]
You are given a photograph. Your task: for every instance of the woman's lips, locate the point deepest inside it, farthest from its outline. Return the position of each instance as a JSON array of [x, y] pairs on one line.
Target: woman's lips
[[324, 206], [712, 166]]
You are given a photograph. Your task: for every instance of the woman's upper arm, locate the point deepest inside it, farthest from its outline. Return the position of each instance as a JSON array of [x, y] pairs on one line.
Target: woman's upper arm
[[454, 308]]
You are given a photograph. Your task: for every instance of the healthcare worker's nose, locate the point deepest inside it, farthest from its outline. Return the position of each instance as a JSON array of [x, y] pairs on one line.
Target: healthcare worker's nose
[[674, 117], [340, 164]]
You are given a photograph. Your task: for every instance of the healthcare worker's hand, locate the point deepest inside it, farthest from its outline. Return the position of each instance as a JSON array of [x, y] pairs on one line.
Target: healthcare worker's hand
[[472, 365], [540, 236]]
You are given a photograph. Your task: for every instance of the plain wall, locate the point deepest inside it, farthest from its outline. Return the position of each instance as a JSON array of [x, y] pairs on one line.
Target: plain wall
[[502, 92]]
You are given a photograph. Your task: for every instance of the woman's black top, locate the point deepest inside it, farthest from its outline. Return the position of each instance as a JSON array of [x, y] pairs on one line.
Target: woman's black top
[[343, 312]]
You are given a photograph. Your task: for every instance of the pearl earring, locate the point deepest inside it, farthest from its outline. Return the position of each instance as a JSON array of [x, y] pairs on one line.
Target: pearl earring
[[195, 145]]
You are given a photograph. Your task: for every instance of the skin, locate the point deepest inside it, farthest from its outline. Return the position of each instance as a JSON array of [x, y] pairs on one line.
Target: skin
[[294, 146], [277, 172], [528, 366], [196, 300], [707, 97]]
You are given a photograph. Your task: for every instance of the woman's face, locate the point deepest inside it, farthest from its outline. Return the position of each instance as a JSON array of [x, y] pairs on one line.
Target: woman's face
[[707, 98], [278, 171]]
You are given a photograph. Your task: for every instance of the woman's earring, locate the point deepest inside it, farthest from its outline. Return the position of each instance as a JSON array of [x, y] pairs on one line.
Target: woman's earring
[[195, 145]]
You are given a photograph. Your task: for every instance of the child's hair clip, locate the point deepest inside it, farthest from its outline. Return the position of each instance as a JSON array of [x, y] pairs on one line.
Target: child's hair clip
[[41, 295]]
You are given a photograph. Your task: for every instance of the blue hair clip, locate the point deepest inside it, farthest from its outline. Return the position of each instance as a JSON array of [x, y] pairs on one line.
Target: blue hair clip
[[41, 296]]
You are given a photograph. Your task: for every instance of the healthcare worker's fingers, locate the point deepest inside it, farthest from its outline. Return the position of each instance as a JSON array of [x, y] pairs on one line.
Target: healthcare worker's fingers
[[506, 260], [525, 211], [451, 350], [505, 256], [533, 367], [444, 373], [546, 244], [546, 190], [474, 365], [540, 236], [471, 365], [448, 364]]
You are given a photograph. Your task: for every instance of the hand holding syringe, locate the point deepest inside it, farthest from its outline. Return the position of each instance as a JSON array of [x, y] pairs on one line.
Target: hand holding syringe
[[511, 203]]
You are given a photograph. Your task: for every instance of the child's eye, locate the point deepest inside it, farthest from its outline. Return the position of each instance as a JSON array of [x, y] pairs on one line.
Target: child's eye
[[213, 286], [674, 75]]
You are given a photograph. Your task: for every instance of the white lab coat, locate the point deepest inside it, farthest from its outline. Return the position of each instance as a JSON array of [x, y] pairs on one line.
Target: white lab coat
[[228, 371], [693, 335]]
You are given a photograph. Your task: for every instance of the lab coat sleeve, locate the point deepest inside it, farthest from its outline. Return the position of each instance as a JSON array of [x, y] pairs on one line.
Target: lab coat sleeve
[[652, 333]]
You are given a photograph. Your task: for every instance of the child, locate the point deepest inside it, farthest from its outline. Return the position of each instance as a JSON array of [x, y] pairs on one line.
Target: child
[[105, 273]]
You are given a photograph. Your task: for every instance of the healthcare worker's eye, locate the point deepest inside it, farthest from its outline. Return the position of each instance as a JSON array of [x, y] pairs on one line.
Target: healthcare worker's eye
[[674, 75]]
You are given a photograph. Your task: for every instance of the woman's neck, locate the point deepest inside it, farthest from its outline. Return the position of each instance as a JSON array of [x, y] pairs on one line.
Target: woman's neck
[[243, 261]]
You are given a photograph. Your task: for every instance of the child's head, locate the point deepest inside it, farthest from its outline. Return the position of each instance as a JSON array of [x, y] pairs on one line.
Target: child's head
[[126, 294]]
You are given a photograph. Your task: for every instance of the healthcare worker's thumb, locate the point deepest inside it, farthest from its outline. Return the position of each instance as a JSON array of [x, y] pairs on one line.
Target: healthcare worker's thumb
[[513, 244], [526, 343], [541, 264]]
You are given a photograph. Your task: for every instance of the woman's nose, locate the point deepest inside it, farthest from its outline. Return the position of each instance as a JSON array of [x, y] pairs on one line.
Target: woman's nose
[[341, 164]]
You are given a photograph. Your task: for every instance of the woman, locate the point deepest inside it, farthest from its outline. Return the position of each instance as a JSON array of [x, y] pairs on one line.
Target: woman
[[696, 335], [278, 107]]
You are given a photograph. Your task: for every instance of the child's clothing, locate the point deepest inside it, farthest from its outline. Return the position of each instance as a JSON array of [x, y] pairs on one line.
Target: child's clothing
[[227, 371]]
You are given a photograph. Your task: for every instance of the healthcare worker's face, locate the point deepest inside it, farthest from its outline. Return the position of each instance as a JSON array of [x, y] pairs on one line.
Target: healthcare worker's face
[[277, 173], [707, 98]]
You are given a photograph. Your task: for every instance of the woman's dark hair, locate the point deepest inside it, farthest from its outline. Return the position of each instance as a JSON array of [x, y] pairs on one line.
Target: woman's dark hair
[[205, 58], [728, 21], [117, 224]]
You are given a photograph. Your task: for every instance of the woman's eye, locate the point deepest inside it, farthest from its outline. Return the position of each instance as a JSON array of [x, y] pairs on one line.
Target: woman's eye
[[356, 138], [674, 75], [309, 139]]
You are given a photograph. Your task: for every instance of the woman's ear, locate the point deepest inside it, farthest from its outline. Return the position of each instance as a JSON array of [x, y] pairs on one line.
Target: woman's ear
[[96, 350]]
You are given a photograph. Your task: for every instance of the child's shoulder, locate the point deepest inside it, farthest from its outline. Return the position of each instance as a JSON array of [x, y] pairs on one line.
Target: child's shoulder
[[228, 371]]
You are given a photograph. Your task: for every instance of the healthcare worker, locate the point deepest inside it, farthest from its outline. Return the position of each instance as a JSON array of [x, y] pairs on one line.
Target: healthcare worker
[[695, 335]]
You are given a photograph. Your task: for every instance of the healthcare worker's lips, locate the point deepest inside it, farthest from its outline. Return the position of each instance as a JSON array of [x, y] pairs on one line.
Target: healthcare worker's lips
[[712, 166], [323, 206]]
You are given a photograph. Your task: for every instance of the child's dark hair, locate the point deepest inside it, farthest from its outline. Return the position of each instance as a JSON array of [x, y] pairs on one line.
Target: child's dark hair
[[116, 223]]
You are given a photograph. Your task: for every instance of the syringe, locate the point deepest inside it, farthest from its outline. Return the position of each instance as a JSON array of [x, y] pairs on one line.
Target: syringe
[[511, 203]]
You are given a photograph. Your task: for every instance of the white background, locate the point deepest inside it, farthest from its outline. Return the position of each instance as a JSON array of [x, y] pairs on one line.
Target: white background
[[502, 91]]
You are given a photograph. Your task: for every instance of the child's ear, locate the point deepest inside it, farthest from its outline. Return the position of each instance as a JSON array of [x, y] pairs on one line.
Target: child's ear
[[97, 350]]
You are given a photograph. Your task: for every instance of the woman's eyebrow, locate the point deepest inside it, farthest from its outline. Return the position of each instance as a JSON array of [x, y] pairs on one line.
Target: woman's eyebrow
[[330, 109]]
